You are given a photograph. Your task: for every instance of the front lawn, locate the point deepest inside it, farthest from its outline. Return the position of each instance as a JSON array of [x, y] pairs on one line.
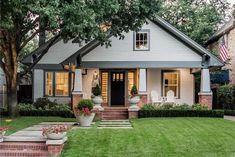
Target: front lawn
[[161, 137], [24, 122]]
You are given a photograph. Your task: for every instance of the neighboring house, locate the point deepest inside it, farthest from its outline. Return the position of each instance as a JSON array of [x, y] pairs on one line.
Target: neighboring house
[[159, 57], [2, 89], [227, 31]]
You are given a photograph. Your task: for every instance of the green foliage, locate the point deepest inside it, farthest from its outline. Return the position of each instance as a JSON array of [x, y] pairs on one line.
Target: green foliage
[[181, 113], [40, 103], [229, 112], [197, 19], [167, 106], [85, 103], [61, 110], [96, 91], [134, 90], [148, 107], [226, 96], [199, 107]]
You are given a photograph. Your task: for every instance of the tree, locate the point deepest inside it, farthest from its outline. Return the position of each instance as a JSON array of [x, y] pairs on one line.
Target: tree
[[198, 19], [70, 19]]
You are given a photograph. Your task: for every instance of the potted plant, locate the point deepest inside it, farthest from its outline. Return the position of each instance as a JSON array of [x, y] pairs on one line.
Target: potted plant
[[97, 99], [2, 132], [55, 132], [135, 98], [83, 112]]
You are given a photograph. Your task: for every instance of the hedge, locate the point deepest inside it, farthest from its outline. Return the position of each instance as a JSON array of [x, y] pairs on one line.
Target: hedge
[[181, 113], [229, 112], [226, 96]]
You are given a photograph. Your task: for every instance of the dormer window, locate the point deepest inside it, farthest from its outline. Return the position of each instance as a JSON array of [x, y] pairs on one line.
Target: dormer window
[[141, 40]]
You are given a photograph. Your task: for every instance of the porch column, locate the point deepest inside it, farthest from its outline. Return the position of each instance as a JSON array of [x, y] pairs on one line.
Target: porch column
[[205, 95], [77, 88], [142, 81]]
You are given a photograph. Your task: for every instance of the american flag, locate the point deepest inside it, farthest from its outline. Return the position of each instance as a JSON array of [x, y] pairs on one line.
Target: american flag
[[223, 50]]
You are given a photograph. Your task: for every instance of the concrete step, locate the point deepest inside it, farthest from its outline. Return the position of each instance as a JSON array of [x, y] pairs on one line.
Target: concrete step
[[23, 146], [24, 139], [24, 153], [115, 124]]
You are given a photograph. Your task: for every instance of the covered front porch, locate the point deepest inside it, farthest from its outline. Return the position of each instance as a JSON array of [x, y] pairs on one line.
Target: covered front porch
[[116, 84]]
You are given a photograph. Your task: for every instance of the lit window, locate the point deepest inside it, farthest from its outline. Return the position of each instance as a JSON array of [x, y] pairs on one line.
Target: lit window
[[171, 82], [130, 81], [104, 86], [62, 84], [141, 40], [49, 84]]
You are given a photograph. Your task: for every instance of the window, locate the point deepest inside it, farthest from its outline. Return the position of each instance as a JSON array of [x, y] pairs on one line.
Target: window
[[130, 81], [49, 84], [57, 84], [141, 41], [171, 82], [104, 86], [62, 84]]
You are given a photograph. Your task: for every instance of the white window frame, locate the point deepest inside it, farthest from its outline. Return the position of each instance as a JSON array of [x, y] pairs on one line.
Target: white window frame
[[177, 84], [147, 31]]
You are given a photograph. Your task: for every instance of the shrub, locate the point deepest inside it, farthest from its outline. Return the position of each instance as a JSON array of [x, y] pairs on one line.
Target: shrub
[[96, 91], [167, 106], [148, 107], [182, 107], [229, 112], [199, 107], [181, 113], [85, 103], [40, 103], [26, 107], [226, 96], [134, 90]]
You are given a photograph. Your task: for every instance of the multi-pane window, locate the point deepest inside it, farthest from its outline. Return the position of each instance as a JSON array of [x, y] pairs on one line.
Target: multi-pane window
[[104, 86], [141, 40], [171, 82], [49, 84], [57, 84], [130, 81], [62, 84]]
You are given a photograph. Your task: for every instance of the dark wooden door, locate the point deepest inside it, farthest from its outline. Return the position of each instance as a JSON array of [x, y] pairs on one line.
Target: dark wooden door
[[117, 88]]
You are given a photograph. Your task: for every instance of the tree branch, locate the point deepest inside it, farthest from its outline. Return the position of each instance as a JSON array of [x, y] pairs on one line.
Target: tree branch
[[28, 39], [53, 40], [2, 65], [29, 27]]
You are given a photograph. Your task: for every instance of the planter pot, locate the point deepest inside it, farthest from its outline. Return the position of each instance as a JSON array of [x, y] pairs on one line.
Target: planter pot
[[55, 136], [2, 135], [85, 120], [97, 100], [134, 101]]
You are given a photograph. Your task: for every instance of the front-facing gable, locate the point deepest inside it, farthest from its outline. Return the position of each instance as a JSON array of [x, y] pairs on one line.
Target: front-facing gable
[[168, 48]]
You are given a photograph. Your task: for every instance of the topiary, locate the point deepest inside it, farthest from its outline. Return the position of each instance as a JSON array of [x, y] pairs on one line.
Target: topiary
[[96, 91], [40, 103], [134, 91]]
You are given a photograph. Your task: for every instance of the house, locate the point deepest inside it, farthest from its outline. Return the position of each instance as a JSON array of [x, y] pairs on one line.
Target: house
[[227, 31], [158, 57], [2, 89]]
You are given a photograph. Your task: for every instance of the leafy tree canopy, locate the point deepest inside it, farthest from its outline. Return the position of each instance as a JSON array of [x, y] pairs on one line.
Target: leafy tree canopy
[[198, 19]]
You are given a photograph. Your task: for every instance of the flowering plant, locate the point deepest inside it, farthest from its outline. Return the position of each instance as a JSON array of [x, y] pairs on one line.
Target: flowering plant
[[55, 129], [2, 129], [84, 107]]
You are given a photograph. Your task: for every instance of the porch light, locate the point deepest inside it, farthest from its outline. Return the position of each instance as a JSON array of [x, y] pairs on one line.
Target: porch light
[[70, 67]]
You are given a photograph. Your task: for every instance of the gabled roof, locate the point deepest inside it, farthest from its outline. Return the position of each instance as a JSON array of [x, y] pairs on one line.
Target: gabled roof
[[213, 60], [227, 27]]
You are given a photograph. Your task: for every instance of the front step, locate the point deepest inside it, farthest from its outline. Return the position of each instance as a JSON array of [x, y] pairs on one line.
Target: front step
[[23, 149], [120, 124], [112, 113]]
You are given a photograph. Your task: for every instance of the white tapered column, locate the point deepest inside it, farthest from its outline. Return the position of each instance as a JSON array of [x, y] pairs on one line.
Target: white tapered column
[[77, 81], [142, 81]]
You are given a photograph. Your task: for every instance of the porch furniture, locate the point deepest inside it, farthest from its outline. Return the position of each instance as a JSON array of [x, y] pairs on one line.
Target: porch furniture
[[170, 97], [155, 98]]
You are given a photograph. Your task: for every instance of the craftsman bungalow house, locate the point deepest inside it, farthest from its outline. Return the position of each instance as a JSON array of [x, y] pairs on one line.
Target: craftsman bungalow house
[[157, 58]]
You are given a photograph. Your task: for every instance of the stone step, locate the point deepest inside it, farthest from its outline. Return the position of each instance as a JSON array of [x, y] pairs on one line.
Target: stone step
[[114, 123], [117, 120], [114, 126], [23, 146], [24, 153], [107, 127], [24, 139]]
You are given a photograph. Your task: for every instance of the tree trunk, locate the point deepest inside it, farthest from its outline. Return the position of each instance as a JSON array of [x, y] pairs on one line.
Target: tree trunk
[[12, 102]]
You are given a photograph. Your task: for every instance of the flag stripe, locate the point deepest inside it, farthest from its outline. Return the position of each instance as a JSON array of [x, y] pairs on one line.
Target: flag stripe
[[223, 51]]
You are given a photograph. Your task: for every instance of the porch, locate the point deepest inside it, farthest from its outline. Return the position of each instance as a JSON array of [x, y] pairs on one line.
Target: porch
[[116, 84]]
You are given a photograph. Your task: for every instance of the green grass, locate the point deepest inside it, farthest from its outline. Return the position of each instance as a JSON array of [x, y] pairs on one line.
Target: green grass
[[24, 122], [156, 137]]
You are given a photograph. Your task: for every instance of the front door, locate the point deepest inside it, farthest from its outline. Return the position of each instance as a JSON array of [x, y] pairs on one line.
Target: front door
[[117, 88]]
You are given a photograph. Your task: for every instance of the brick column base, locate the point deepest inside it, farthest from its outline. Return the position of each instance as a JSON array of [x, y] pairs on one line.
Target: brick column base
[[98, 115], [133, 114], [206, 99], [76, 98], [143, 100], [55, 150]]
